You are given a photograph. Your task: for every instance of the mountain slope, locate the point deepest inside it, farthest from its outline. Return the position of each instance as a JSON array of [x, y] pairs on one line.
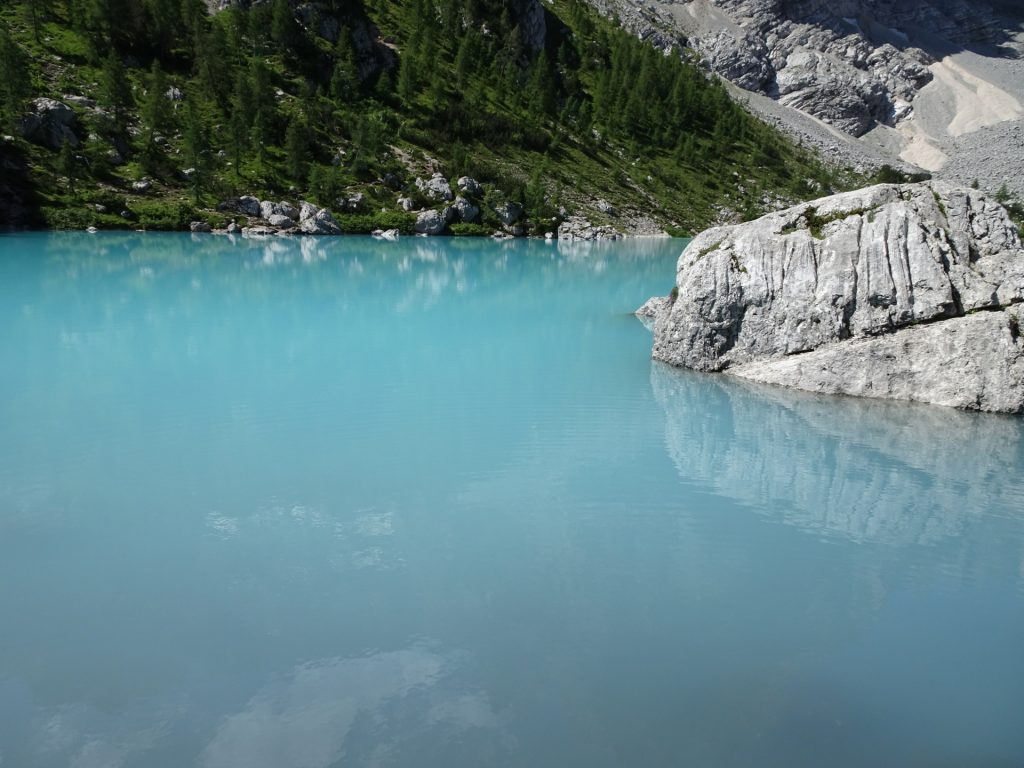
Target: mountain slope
[[173, 106]]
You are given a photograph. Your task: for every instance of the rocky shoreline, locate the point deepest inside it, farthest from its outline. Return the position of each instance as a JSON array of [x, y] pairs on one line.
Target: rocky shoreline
[[438, 210]]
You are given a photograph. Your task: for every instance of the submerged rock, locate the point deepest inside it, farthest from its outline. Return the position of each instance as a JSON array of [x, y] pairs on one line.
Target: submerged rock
[[650, 309], [847, 284]]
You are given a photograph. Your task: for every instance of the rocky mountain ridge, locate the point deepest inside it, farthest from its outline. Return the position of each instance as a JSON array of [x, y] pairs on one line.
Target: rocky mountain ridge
[[911, 78]]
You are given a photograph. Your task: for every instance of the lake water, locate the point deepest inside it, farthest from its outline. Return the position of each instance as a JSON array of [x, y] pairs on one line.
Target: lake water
[[302, 503]]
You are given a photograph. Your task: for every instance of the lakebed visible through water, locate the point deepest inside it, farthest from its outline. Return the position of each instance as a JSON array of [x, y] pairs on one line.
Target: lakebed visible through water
[[300, 503]]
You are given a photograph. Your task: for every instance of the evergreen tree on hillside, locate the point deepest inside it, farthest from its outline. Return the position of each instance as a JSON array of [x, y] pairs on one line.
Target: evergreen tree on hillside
[[156, 115], [116, 91], [197, 147], [68, 164], [15, 83], [284, 30], [345, 77], [211, 62], [240, 121], [264, 106], [296, 141], [38, 9], [164, 24]]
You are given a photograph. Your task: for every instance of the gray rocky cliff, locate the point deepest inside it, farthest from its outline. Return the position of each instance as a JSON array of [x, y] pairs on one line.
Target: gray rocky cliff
[[852, 63], [908, 292]]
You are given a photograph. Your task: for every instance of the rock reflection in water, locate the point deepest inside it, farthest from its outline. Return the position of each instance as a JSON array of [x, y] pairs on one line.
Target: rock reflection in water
[[890, 473]]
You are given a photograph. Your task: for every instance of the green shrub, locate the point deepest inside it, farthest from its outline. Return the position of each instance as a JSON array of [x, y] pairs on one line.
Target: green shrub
[[470, 230], [163, 215]]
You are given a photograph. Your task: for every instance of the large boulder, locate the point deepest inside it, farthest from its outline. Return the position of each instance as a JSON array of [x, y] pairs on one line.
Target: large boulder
[[469, 186], [436, 187], [269, 208], [281, 221], [317, 221], [467, 211], [876, 291], [248, 205], [508, 213], [430, 222], [50, 123]]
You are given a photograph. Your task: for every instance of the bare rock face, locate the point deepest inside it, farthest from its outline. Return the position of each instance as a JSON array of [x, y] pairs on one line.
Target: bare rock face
[[851, 63], [890, 291], [974, 362], [532, 24]]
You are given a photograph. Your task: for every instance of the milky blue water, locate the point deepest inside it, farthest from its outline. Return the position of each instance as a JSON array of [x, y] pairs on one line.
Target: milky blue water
[[309, 503]]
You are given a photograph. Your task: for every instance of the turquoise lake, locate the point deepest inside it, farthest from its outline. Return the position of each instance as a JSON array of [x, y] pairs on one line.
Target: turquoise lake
[[302, 503]]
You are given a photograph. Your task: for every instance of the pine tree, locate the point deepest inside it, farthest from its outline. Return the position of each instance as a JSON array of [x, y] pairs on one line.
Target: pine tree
[[15, 83], [164, 22], [67, 163], [283, 29], [465, 58], [38, 9], [264, 109], [242, 100], [240, 122], [156, 115], [116, 90], [197, 147], [344, 83], [238, 134], [407, 82], [211, 63], [296, 140], [543, 96]]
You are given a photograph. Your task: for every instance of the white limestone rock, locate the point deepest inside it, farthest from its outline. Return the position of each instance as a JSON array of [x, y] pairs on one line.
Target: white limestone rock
[[467, 211], [430, 223], [314, 220], [862, 266], [280, 221], [974, 362], [436, 187]]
